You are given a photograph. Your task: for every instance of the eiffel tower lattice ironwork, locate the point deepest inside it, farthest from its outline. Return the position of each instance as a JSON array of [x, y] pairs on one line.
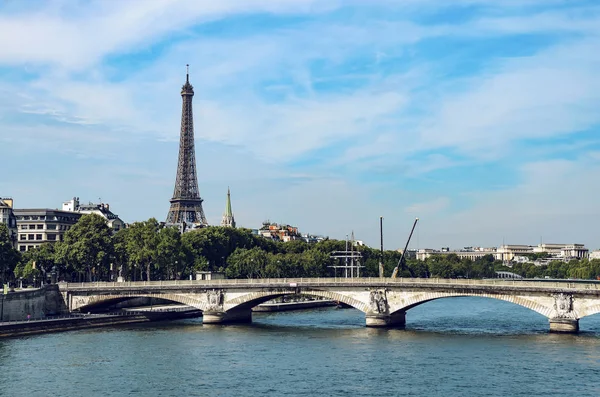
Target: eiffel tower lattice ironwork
[[186, 205]]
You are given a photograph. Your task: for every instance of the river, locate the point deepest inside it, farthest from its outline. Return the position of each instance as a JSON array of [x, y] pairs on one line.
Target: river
[[450, 347]]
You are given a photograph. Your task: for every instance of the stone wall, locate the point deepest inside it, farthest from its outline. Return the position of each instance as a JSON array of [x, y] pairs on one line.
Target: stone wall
[[37, 303]]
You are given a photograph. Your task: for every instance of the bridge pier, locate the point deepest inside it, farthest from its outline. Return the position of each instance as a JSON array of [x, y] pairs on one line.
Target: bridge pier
[[380, 320], [235, 317], [564, 325]]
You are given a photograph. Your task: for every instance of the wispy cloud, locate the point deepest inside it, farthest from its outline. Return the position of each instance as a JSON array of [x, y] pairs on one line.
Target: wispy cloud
[[397, 103]]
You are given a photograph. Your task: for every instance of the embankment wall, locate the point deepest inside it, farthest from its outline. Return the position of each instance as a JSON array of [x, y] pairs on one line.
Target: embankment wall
[[37, 303]]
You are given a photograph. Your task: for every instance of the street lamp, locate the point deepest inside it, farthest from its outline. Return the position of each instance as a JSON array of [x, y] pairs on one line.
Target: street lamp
[[381, 237]]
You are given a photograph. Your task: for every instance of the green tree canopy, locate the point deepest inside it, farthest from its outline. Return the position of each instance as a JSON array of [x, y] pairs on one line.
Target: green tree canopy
[[88, 247], [142, 246], [9, 257]]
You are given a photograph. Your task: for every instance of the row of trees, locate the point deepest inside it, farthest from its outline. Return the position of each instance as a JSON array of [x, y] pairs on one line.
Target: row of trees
[[149, 251]]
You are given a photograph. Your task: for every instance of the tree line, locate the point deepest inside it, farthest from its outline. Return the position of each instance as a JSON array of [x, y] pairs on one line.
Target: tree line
[[150, 251]]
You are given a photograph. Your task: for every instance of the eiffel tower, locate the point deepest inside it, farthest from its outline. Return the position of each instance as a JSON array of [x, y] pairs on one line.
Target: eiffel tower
[[186, 205]]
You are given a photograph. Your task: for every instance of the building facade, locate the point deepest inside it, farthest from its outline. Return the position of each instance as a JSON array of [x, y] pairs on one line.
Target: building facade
[[102, 209], [279, 232], [38, 226], [7, 217], [594, 254], [467, 253], [311, 239], [509, 253]]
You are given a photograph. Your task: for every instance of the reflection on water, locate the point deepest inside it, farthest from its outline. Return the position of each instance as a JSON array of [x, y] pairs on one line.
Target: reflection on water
[[450, 347]]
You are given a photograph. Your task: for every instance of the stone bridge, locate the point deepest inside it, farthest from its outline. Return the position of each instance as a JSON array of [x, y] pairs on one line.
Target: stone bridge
[[383, 300]]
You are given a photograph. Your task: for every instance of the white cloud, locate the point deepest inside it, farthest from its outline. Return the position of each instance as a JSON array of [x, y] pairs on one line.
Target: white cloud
[[260, 105], [552, 93], [77, 37], [553, 200], [430, 208]]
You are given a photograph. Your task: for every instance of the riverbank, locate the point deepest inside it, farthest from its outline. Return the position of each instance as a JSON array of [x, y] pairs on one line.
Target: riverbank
[[132, 315], [75, 322]]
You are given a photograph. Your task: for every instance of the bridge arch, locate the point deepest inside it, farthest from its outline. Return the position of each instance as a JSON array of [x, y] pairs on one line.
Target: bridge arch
[[424, 297], [591, 310], [250, 300], [82, 304]]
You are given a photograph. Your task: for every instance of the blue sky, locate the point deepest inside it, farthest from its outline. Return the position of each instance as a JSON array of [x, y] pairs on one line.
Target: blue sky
[[480, 117]]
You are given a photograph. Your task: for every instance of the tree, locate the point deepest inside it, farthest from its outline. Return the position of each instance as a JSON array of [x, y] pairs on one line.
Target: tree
[[440, 267], [169, 252], [419, 268], [36, 262], [9, 257], [295, 246], [314, 263], [142, 245], [87, 247], [556, 269], [121, 255], [27, 270], [247, 263], [484, 267]]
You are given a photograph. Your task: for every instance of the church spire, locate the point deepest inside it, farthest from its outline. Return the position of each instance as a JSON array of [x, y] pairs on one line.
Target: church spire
[[228, 219]]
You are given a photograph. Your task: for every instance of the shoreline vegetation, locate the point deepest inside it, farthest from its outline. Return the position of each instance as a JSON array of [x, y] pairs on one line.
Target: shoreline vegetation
[[150, 251]]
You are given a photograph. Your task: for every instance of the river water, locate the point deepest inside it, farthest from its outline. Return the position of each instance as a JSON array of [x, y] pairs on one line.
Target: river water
[[450, 347]]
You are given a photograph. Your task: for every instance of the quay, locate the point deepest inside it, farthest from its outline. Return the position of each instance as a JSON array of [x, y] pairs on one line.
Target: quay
[[82, 321]]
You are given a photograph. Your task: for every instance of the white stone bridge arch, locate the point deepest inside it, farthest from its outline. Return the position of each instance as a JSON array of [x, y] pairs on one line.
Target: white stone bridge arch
[[84, 302], [384, 301]]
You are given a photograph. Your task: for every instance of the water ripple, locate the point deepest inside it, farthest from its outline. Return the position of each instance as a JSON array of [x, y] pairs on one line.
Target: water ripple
[[451, 347]]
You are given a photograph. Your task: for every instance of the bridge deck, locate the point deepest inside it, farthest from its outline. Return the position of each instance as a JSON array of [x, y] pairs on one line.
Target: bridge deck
[[540, 285]]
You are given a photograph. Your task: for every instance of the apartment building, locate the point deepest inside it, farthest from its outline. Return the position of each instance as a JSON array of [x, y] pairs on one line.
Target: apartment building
[[8, 218], [38, 226], [103, 209]]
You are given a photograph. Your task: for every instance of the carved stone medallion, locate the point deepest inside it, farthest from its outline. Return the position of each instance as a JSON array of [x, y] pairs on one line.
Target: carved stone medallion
[[378, 301], [563, 305], [215, 300]]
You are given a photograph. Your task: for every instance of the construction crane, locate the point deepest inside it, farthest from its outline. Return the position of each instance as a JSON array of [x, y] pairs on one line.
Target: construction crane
[[402, 262]]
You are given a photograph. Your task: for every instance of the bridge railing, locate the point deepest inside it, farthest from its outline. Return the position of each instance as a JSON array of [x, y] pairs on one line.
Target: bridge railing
[[363, 281]]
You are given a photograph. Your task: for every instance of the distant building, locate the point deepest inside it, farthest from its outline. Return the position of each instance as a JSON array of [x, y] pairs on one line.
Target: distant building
[[210, 276], [595, 254], [228, 220], [507, 275], [102, 209], [521, 259], [410, 254], [507, 253], [38, 226], [312, 239], [472, 253], [279, 232], [7, 216]]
